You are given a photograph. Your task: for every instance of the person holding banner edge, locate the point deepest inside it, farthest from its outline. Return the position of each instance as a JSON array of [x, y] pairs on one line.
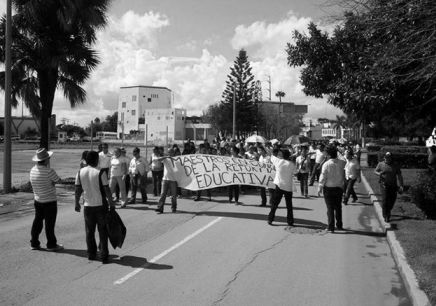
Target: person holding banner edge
[[283, 180], [169, 184]]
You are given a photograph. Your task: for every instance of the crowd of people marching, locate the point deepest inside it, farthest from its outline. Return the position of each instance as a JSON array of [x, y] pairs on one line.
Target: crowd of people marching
[[107, 178]]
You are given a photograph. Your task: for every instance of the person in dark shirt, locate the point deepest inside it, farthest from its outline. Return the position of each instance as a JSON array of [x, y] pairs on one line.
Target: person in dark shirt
[[389, 173]]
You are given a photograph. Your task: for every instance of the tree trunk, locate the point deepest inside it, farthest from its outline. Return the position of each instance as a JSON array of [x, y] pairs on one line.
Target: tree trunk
[[47, 89]]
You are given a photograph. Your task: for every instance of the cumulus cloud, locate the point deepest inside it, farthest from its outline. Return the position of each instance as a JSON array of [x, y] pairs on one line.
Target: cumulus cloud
[[265, 44], [128, 49]]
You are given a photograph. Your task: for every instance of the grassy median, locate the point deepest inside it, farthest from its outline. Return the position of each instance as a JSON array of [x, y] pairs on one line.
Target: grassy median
[[415, 232]]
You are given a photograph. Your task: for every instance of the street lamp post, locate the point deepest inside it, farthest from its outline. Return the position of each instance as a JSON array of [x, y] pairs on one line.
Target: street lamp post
[[234, 111], [7, 164]]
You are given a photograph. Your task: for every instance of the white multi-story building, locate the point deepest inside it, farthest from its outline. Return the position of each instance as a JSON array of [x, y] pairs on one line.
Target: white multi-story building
[[149, 108]]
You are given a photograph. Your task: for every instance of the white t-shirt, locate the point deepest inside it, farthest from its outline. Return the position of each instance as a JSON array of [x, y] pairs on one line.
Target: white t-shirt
[[303, 164], [104, 160], [89, 180], [284, 173], [168, 174], [116, 169]]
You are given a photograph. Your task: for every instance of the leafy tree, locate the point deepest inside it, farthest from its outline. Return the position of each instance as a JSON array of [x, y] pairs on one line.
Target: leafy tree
[[51, 50], [241, 86], [378, 65]]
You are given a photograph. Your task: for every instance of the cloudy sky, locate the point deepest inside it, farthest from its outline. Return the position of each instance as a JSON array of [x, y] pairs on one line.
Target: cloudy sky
[[189, 46]]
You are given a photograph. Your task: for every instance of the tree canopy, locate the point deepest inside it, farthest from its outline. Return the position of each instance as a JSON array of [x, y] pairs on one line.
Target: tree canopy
[[51, 49], [378, 65]]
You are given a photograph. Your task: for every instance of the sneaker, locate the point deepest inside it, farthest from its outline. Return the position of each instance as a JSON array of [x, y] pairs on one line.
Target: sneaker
[[105, 260], [58, 247], [174, 210], [209, 199], [345, 203], [35, 248], [159, 211], [329, 231], [123, 205], [92, 257], [269, 222], [197, 199]]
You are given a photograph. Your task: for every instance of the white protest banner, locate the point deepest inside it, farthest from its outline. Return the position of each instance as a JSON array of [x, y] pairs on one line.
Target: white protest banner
[[202, 171]]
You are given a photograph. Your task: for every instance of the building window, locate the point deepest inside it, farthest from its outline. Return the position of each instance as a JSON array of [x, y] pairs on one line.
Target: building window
[[149, 99], [133, 112], [123, 104], [134, 98]]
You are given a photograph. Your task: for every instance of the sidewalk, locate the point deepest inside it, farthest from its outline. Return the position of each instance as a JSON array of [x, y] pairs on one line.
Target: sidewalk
[[418, 297]]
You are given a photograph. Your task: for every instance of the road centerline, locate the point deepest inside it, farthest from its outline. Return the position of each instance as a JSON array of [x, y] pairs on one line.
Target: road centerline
[[166, 252]]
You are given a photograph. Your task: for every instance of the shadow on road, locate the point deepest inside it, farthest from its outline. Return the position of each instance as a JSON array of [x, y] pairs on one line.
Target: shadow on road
[[263, 217], [127, 260], [361, 233]]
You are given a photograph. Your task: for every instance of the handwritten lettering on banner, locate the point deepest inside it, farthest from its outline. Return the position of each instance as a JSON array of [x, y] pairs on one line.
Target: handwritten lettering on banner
[[201, 171]]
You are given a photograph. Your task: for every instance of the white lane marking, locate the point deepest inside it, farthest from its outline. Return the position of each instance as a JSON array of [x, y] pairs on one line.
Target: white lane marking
[[166, 252]]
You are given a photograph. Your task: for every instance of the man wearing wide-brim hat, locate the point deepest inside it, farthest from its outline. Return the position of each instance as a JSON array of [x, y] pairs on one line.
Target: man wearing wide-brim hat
[[43, 180]]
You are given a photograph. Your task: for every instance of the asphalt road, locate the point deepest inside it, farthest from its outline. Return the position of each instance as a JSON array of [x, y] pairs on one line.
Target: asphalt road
[[209, 253]]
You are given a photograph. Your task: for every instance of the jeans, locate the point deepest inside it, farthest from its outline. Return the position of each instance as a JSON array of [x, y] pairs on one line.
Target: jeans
[[118, 181], [95, 217], [263, 195], [389, 196], [127, 180], [349, 190], [168, 188], [278, 194], [234, 191], [157, 182], [333, 201], [315, 173], [138, 180], [44, 213], [304, 182]]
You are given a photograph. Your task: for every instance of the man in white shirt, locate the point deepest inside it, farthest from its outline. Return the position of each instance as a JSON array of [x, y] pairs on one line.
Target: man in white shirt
[[331, 183], [92, 182], [169, 184], [138, 176], [104, 159], [320, 158], [352, 174], [284, 185]]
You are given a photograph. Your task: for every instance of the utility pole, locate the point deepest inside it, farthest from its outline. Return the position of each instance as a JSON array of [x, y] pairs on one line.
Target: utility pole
[[269, 87], [7, 164], [234, 111]]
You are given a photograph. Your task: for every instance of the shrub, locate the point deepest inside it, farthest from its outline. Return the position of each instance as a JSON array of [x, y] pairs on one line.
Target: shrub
[[405, 160], [423, 193]]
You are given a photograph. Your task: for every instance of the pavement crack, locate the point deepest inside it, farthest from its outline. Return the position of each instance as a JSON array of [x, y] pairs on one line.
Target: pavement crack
[[236, 275]]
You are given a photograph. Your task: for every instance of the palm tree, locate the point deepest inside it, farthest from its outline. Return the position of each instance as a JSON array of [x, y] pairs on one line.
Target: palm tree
[[339, 123], [280, 95], [51, 48]]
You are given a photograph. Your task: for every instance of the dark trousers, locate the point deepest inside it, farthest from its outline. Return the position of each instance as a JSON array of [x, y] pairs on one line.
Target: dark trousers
[[278, 194], [389, 196], [45, 214], [234, 191], [315, 173], [311, 166], [333, 200], [168, 188], [95, 217], [208, 193], [304, 183], [157, 182], [349, 190], [140, 181], [263, 195]]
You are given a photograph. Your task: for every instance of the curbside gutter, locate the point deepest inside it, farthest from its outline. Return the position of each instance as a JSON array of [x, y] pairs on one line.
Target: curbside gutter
[[418, 297]]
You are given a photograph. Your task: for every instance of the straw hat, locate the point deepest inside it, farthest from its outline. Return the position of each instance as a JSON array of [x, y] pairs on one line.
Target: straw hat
[[42, 154]]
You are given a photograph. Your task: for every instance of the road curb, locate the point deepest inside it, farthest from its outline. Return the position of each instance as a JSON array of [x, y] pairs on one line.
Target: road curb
[[418, 297]]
